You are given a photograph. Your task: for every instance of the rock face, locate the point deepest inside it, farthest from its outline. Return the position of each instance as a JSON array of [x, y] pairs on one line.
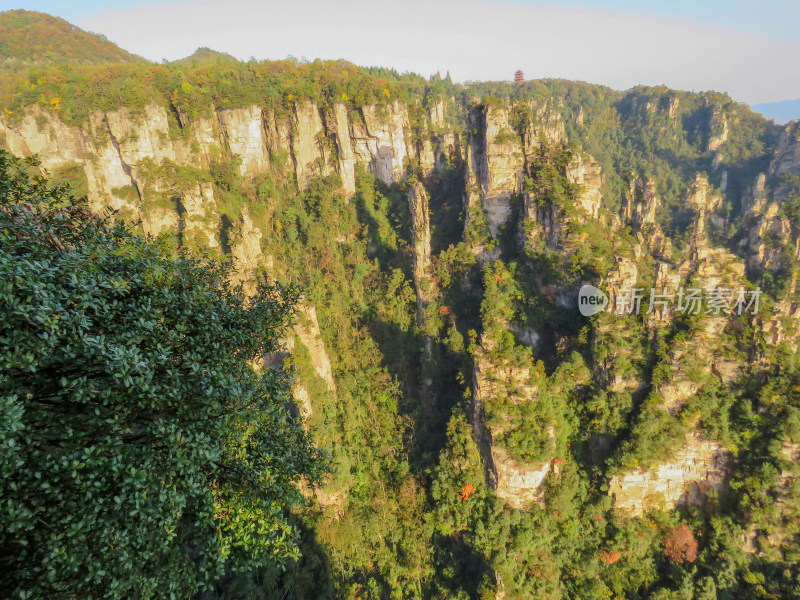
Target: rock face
[[340, 126], [698, 468], [640, 203], [115, 147], [199, 220], [421, 239], [698, 465], [245, 248], [423, 283], [307, 331], [137, 162], [584, 171], [497, 154], [718, 129], [768, 229], [772, 240], [308, 151], [497, 163], [248, 259], [545, 225], [130, 158], [516, 482], [243, 134], [383, 143]]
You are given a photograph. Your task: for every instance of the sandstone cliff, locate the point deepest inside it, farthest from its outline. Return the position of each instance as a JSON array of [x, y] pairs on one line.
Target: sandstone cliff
[[697, 469], [423, 282], [497, 155], [515, 481], [114, 147]]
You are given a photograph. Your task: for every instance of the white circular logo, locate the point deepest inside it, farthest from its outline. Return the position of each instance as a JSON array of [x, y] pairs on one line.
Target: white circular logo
[[591, 300]]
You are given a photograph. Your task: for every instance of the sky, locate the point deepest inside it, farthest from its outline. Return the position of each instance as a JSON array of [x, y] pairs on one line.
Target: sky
[[749, 49]]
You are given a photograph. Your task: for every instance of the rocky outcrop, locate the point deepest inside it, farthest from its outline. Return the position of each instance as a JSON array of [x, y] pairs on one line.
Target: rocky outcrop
[[499, 167], [383, 140], [769, 232], [306, 328], [639, 204], [584, 171], [308, 136], [516, 482], [421, 240], [423, 283], [704, 281], [772, 241], [545, 225], [695, 470], [245, 249], [340, 127], [139, 136], [199, 221], [718, 129], [787, 153], [243, 135], [112, 146], [496, 157], [713, 275], [621, 279], [519, 484], [306, 332], [639, 210]]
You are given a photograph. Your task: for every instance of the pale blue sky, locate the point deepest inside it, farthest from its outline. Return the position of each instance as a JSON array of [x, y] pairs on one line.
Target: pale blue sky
[[746, 48]]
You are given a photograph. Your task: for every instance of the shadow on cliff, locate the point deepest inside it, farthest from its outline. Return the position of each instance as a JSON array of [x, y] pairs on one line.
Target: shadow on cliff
[[402, 357], [224, 233], [384, 210], [460, 569]]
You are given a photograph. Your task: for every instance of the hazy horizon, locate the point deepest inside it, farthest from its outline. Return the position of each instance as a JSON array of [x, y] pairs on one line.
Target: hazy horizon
[[475, 40]]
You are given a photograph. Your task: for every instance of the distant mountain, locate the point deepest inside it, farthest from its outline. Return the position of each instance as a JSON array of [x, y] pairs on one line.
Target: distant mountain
[[33, 36], [203, 56], [781, 112]]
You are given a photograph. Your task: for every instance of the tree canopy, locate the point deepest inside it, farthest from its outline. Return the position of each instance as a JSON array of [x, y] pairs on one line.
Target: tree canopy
[[141, 452]]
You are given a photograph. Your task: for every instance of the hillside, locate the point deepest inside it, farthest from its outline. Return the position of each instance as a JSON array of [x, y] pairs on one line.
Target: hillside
[[34, 36], [203, 56], [487, 437]]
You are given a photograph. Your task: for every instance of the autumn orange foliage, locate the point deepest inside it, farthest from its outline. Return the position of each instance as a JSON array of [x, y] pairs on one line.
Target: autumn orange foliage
[[609, 557], [680, 544], [466, 491]]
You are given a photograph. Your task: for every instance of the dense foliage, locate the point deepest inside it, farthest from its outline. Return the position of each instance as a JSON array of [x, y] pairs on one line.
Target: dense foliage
[[141, 452]]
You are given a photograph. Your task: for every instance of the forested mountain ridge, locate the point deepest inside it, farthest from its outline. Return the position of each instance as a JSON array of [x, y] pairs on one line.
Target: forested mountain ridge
[[486, 439], [27, 36]]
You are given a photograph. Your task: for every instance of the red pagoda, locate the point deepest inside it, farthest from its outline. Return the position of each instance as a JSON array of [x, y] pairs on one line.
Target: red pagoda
[[519, 77]]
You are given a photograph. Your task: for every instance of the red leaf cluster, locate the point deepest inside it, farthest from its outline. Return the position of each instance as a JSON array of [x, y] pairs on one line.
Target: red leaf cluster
[[609, 557], [681, 545], [466, 491]]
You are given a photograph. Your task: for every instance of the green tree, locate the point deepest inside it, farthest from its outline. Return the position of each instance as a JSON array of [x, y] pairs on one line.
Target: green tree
[[141, 453]]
